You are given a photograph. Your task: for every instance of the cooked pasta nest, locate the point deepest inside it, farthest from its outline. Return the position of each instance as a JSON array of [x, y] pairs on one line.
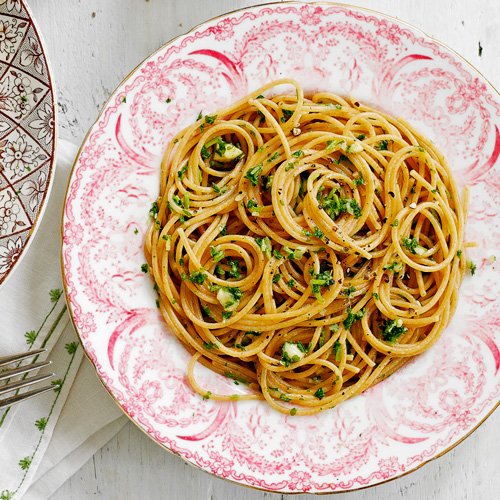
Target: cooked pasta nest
[[305, 247]]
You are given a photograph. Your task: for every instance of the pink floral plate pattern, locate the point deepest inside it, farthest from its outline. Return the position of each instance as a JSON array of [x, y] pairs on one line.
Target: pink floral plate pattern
[[417, 414], [27, 132]]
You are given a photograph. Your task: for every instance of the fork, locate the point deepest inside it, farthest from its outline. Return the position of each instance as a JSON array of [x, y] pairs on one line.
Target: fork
[[23, 382]]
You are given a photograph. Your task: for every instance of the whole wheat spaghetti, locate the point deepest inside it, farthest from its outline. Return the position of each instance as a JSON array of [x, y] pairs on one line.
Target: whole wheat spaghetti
[[308, 247]]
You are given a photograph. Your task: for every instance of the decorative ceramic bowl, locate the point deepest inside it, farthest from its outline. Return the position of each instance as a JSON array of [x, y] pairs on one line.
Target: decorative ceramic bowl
[[417, 414], [27, 132]]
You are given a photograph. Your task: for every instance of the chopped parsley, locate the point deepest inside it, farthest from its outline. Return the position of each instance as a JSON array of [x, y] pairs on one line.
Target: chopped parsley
[[276, 278], [472, 267], [267, 182], [392, 329], [351, 318], [210, 345], [205, 154], [360, 181], [334, 205], [183, 170], [323, 278], [216, 254], [287, 113], [219, 271], [337, 350], [253, 174], [276, 254], [210, 119], [265, 245], [411, 244], [235, 268], [395, 223], [382, 145], [236, 377], [298, 154], [153, 211], [294, 254], [320, 393], [291, 283], [197, 277], [207, 312], [226, 315], [273, 157], [395, 266], [144, 268], [317, 233]]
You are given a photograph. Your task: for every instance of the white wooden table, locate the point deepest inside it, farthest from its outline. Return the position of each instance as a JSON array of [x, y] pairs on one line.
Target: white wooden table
[[93, 45]]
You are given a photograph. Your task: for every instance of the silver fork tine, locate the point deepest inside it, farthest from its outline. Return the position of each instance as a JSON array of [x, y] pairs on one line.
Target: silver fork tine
[[6, 403], [23, 383], [23, 369], [7, 360]]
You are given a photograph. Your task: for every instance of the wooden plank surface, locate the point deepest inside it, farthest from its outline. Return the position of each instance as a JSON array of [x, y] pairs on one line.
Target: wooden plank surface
[[93, 45]]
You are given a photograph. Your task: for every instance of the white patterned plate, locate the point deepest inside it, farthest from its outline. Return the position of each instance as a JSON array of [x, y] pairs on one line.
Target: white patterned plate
[[417, 414], [27, 132]]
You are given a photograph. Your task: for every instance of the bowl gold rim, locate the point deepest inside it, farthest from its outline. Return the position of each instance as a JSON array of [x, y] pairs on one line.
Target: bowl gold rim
[[170, 42]]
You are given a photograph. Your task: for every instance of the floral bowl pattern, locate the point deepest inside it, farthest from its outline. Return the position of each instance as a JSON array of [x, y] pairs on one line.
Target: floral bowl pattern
[[417, 414], [27, 132]]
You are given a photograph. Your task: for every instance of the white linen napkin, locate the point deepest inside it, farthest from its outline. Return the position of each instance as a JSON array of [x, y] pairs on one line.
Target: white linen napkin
[[45, 440]]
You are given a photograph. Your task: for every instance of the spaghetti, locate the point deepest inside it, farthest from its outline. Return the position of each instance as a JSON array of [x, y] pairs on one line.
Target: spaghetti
[[308, 247]]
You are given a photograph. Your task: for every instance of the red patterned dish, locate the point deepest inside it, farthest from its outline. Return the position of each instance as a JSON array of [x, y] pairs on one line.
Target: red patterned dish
[[417, 414], [27, 132]]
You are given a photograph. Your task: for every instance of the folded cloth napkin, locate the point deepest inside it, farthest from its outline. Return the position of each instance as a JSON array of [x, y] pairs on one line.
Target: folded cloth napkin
[[45, 440]]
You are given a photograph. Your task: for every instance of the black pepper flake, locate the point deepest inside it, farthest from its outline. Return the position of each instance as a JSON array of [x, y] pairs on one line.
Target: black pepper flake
[[386, 278], [384, 220], [320, 207], [356, 104], [392, 194], [327, 240], [346, 249]]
